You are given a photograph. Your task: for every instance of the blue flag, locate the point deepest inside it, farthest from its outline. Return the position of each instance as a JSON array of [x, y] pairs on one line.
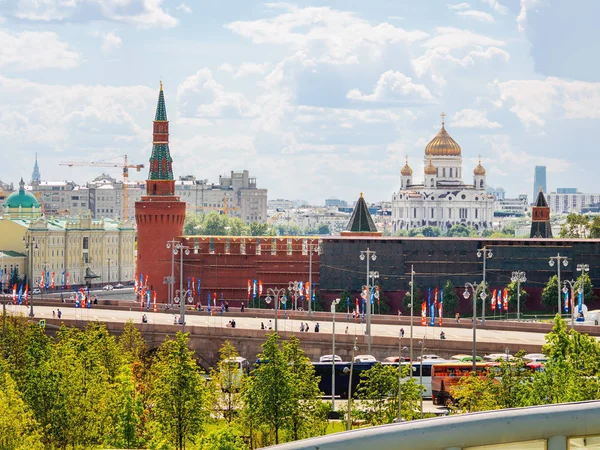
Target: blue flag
[[209, 301], [20, 294], [580, 303], [566, 302]]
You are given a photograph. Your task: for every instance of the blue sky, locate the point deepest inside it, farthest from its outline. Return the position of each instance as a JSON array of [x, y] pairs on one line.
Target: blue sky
[[317, 99]]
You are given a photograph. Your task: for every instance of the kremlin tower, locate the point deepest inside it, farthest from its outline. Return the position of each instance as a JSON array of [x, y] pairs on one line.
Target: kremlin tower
[[160, 214]]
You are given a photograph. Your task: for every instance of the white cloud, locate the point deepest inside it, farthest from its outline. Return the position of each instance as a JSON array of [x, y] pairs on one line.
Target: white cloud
[[250, 68], [477, 15], [36, 50], [324, 34], [533, 101], [143, 13], [110, 41], [459, 6], [522, 17], [455, 38], [472, 118], [392, 86], [200, 95], [497, 6], [226, 67], [184, 8]]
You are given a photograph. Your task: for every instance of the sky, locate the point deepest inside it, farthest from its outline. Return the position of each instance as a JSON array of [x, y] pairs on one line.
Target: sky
[[318, 99]]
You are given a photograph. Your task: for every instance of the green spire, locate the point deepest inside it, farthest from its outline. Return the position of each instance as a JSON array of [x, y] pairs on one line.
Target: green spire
[[361, 220], [161, 110]]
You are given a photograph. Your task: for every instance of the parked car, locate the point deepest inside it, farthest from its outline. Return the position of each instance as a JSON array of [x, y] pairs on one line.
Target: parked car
[[535, 357], [465, 358], [430, 357], [364, 358], [395, 359], [327, 358], [36, 291], [108, 287], [119, 286]]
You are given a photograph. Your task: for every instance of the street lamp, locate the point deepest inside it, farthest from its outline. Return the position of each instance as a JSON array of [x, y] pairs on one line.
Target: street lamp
[[486, 253], [373, 275], [295, 287], [475, 289], [354, 350], [583, 268], [369, 255], [171, 279], [274, 294], [30, 246], [400, 351], [316, 248], [412, 302], [422, 344], [180, 249], [571, 284], [557, 260], [518, 277], [333, 304]]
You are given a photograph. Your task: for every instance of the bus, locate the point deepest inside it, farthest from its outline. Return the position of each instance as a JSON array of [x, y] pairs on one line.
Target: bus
[[447, 375], [425, 375]]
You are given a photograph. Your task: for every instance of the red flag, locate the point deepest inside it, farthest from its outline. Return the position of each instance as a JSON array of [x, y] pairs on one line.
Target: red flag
[[42, 281], [14, 294], [440, 308], [505, 300], [67, 280], [494, 300], [135, 283], [259, 288], [52, 281], [424, 314], [27, 295], [154, 298], [435, 296], [249, 289]]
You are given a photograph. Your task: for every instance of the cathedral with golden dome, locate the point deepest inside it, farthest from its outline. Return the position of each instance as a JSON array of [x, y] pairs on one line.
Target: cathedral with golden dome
[[442, 199]]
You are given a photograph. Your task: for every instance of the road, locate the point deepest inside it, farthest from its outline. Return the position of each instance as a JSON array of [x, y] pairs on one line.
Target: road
[[246, 321]]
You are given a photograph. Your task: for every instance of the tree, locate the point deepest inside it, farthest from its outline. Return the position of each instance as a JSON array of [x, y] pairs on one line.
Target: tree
[[430, 231], [215, 224], [179, 394], [513, 296], [594, 228], [14, 278], [132, 344], [309, 414], [407, 300], [18, 427], [223, 439], [269, 395], [588, 289], [475, 393], [193, 224], [458, 230], [576, 226], [451, 301], [259, 229], [346, 301], [227, 380], [550, 293], [323, 229]]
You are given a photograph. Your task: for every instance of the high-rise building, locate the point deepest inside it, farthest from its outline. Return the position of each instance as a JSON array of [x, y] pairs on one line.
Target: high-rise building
[[35, 175], [539, 181], [159, 214]]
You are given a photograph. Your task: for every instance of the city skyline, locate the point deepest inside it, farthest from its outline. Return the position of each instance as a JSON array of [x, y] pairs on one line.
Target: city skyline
[[337, 94]]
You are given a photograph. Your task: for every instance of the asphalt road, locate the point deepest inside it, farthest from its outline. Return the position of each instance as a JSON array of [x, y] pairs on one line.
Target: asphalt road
[[246, 321]]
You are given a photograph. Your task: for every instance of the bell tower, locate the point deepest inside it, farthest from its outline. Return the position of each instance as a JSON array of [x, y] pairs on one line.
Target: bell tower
[[160, 214]]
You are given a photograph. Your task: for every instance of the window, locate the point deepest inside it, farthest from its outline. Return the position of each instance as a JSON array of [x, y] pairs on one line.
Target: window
[[85, 258], [85, 243], [450, 172]]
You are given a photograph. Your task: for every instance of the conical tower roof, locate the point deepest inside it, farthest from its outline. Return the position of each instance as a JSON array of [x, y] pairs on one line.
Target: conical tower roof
[[541, 200], [361, 220], [161, 109], [160, 161]]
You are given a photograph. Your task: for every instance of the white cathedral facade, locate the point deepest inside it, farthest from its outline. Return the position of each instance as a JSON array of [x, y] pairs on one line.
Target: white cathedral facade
[[442, 199]]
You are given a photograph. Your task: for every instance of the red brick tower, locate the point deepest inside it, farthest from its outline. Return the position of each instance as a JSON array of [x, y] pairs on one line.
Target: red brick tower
[[160, 214]]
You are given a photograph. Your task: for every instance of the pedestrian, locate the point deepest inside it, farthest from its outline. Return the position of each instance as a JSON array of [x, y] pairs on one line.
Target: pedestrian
[[442, 335], [233, 323], [53, 314], [243, 307], [301, 327], [226, 306], [317, 327], [401, 332], [307, 328], [346, 329], [59, 312], [262, 326], [270, 325], [457, 316], [399, 314], [174, 320]]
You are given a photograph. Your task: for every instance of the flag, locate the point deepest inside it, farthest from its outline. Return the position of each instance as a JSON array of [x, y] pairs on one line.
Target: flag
[[307, 289], [26, 294], [259, 288], [580, 303], [372, 295], [567, 301], [62, 280], [505, 300], [254, 287], [493, 299], [193, 286], [198, 288], [52, 281], [14, 294], [135, 284], [67, 280], [435, 297], [424, 314], [348, 303], [42, 281], [189, 291], [249, 288], [209, 301], [20, 296], [499, 300], [154, 298], [356, 305], [47, 279], [441, 306], [76, 298]]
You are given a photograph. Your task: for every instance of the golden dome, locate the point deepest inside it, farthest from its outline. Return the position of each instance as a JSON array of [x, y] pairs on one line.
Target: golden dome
[[430, 169], [442, 144], [479, 170], [406, 170]]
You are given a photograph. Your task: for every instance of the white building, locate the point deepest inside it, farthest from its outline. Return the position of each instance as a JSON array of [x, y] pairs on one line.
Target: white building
[[516, 207], [570, 200], [442, 199]]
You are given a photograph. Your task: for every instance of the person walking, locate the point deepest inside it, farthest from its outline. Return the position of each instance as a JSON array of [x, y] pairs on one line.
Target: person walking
[[262, 325], [307, 328], [270, 325], [59, 313], [317, 327], [243, 307], [301, 327], [401, 332]]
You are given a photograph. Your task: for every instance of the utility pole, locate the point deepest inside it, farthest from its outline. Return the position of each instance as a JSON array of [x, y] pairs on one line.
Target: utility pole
[[412, 304], [369, 255], [518, 277], [311, 248], [171, 285], [486, 253], [557, 260]]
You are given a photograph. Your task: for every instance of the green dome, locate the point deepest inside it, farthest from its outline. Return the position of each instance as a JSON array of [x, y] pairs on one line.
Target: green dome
[[22, 198]]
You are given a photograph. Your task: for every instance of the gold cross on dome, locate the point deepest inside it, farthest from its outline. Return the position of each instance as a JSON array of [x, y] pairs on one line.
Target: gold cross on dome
[[443, 117]]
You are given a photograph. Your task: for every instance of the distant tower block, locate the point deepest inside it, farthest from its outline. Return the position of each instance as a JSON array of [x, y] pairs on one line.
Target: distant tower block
[[540, 218], [160, 214]]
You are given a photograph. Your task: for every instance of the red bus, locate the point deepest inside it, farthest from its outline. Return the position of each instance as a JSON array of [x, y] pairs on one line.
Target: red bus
[[446, 375]]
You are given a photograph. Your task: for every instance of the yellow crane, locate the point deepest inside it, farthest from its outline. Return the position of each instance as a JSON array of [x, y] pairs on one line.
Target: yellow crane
[[124, 165]]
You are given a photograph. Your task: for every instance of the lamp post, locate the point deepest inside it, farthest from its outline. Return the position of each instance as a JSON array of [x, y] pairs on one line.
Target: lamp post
[[354, 350], [412, 303], [180, 249], [583, 268], [108, 260], [333, 304], [475, 289], [369, 255], [571, 284], [171, 281], [312, 247], [422, 344], [30, 246], [518, 277], [373, 275], [295, 287], [400, 351], [557, 260], [486, 253], [276, 294]]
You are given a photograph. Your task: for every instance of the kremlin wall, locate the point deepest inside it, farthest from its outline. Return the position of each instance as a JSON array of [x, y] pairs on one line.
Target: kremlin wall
[[225, 264]]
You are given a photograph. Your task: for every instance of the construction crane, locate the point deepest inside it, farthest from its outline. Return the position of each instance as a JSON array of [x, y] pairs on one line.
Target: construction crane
[[124, 165], [226, 209]]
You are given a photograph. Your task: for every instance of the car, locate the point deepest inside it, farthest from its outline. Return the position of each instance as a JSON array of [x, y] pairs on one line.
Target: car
[[395, 359], [431, 357], [535, 357], [364, 358], [328, 358], [498, 356], [108, 287], [36, 291], [119, 286], [465, 358]]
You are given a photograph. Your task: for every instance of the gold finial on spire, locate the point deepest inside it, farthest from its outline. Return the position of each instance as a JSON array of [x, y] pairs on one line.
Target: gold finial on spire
[[161, 85], [361, 195], [443, 118], [541, 190]]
